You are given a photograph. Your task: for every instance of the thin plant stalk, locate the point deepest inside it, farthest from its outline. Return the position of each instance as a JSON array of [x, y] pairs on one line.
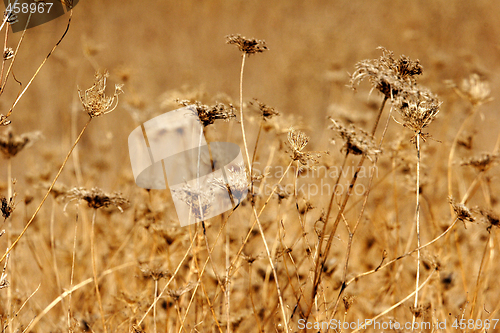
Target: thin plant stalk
[[72, 274], [319, 265], [243, 57], [94, 271], [417, 222], [48, 192]]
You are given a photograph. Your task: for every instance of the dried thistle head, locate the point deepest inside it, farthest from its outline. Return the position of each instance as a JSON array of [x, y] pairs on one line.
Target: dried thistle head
[[386, 74], [7, 206], [209, 114], [463, 213], [94, 100], [357, 142], [418, 107], [237, 182], [247, 45], [11, 145], [481, 163], [96, 198], [473, 89], [266, 111], [200, 200]]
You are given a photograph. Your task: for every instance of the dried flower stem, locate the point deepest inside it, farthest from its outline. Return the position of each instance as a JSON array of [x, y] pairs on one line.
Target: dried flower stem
[[48, 191], [243, 57], [417, 221], [94, 270], [41, 65], [319, 265]]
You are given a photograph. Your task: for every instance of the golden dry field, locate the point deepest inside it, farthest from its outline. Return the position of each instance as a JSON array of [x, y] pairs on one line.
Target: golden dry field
[[373, 193]]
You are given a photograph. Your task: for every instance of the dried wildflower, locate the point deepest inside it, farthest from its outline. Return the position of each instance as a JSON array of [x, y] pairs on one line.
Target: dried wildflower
[[199, 200], [463, 213], [348, 300], [237, 182], [490, 216], [155, 272], [246, 45], [386, 74], [417, 107], [266, 111], [8, 53], [11, 145], [481, 163], [94, 100], [357, 142], [4, 121], [9, 17], [298, 141], [473, 89], [209, 114], [7, 206], [175, 294], [96, 198]]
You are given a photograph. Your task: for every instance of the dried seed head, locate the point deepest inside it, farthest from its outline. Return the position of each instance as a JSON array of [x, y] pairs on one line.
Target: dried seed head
[[357, 142], [483, 162], [387, 75], [7, 206], [209, 114], [266, 111], [463, 213], [418, 107], [298, 141], [199, 200], [175, 294], [473, 89], [4, 121], [8, 53], [96, 198], [246, 45], [237, 182], [11, 145], [490, 216], [94, 100]]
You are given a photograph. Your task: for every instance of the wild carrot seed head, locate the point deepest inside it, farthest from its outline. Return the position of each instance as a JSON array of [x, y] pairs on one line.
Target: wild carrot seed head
[[247, 45], [94, 100]]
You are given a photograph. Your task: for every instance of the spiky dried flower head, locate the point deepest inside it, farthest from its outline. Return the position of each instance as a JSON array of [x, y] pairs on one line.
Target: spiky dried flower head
[[209, 114], [237, 182], [473, 89], [247, 45], [463, 213], [481, 163], [298, 140], [94, 100], [96, 198], [357, 141], [386, 74], [7, 206], [266, 111], [418, 107], [199, 200], [11, 145]]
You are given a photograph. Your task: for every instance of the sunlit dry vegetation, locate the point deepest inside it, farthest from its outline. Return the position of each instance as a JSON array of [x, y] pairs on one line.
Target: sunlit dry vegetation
[[370, 143]]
